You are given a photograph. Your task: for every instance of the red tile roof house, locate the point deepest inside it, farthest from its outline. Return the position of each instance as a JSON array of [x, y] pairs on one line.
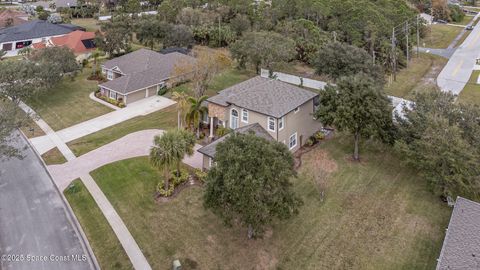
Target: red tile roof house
[[141, 74], [80, 42], [14, 17]]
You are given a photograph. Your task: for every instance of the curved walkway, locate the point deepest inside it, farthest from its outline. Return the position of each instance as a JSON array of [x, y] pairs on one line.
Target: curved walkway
[[132, 145]]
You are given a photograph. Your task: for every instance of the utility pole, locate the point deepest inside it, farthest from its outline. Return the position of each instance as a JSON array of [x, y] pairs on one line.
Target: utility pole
[[407, 32], [418, 35], [394, 60]]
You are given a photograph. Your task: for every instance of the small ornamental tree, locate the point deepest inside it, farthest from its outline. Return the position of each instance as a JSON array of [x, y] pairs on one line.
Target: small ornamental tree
[[250, 182], [357, 105]]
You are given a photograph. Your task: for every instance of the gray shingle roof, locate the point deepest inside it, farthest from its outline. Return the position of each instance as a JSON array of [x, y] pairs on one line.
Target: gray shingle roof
[[461, 247], [36, 29], [143, 68], [257, 129], [264, 95]]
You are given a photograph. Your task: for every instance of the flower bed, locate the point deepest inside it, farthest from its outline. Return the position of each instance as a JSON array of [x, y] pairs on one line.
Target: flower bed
[[118, 103], [173, 183]]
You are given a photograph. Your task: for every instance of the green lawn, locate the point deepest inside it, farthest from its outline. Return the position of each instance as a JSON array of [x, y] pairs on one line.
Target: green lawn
[[375, 215], [68, 103], [89, 24], [440, 36], [108, 250], [416, 76], [164, 119], [471, 92], [53, 156]]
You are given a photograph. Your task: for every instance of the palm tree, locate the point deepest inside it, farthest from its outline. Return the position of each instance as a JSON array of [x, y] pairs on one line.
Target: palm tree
[[97, 53], [182, 102], [195, 112], [169, 150]]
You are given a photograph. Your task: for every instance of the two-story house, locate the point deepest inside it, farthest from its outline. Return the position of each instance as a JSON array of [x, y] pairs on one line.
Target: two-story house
[[282, 110], [141, 74]]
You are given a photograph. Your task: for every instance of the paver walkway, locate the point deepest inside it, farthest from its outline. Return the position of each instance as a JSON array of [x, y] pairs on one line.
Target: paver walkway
[[132, 145], [139, 108]]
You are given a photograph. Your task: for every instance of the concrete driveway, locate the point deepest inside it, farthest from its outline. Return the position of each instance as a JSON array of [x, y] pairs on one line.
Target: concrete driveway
[[132, 145], [458, 70], [34, 220], [138, 108]]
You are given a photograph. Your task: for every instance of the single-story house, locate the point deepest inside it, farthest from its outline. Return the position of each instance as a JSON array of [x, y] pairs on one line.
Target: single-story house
[[80, 42], [141, 74], [13, 39], [284, 111], [461, 247], [11, 17]]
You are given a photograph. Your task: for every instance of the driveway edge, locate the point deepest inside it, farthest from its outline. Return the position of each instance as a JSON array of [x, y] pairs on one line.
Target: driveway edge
[[70, 214]]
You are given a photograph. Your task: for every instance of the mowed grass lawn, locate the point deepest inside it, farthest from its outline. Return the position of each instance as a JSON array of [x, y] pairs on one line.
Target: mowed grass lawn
[[68, 103], [104, 242], [413, 79], [164, 119], [441, 35], [90, 24], [375, 215], [471, 92]]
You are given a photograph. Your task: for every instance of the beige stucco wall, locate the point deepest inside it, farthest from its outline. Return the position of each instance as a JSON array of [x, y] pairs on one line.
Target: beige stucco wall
[[206, 162]]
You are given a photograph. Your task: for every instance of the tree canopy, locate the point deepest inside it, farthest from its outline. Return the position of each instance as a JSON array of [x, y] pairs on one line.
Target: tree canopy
[[250, 182]]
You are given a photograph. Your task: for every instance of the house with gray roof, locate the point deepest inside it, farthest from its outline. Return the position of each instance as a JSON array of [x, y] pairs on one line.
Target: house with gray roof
[[284, 111], [141, 74], [15, 38], [461, 247]]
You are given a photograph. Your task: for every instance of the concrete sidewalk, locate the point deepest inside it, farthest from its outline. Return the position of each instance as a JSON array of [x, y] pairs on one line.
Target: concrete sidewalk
[[139, 108]]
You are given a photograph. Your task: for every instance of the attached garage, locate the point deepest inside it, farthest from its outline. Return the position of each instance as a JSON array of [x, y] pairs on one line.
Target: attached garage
[[135, 96]]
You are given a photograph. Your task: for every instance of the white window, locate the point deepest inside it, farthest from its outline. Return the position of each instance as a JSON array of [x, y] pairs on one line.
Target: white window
[[292, 141], [271, 124], [110, 75], [113, 95], [281, 123], [244, 116], [233, 119], [296, 110]]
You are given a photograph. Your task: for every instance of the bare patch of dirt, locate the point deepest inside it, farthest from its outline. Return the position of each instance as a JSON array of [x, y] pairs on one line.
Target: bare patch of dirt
[[322, 161], [266, 260]]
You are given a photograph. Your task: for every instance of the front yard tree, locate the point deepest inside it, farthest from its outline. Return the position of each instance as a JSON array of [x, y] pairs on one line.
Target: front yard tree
[[58, 61], [263, 49], [250, 182], [195, 112], [357, 105], [169, 150], [182, 103]]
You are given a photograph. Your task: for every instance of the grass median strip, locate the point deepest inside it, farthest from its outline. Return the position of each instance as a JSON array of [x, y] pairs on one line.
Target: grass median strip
[[471, 92], [104, 242]]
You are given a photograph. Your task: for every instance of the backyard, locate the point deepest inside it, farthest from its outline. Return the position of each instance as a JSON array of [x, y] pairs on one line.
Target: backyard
[[68, 103], [376, 214]]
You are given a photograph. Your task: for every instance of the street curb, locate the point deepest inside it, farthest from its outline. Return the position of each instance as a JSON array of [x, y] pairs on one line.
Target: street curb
[[70, 214]]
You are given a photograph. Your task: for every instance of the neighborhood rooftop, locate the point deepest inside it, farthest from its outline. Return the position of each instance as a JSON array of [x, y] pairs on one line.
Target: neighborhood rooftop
[[35, 29], [257, 129], [143, 68], [264, 95], [461, 247]]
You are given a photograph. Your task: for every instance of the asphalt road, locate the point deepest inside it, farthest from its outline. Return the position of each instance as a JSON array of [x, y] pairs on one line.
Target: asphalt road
[[458, 70], [36, 230]]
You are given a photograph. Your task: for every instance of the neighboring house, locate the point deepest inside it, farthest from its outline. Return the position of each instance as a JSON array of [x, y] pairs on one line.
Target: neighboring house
[[54, 5], [141, 74], [80, 42], [283, 110], [10, 17], [13, 39], [461, 247]]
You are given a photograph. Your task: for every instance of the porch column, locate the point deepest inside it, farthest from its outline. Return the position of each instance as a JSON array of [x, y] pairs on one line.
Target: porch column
[[211, 128]]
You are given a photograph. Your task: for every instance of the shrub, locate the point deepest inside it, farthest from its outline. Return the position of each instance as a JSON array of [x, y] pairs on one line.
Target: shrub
[[310, 142], [177, 180], [165, 193], [222, 131], [121, 105], [162, 91], [201, 175], [319, 136], [174, 182]]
